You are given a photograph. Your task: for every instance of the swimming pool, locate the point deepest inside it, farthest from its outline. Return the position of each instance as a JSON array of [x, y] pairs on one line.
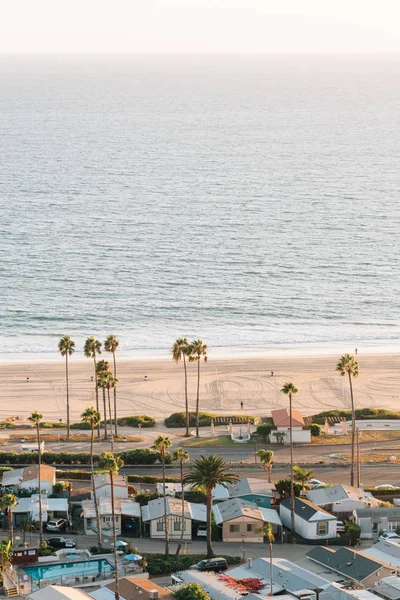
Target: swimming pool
[[83, 567]]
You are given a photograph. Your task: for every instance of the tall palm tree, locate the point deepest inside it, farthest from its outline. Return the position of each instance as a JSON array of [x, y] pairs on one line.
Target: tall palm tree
[[181, 456], [162, 443], [5, 556], [209, 471], [268, 533], [8, 502], [66, 347], [91, 349], [196, 352], [111, 345], [92, 417], [347, 365], [289, 389], [35, 418], [102, 368], [181, 350], [302, 476], [110, 383], [112, 464], [267, 460]]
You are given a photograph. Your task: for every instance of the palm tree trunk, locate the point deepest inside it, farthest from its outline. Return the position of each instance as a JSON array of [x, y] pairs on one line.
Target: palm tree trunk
[[210, 551], [269, 473], [292, 529], [96, 505], [183, 513], [198, 397], [271, 570], [166, 521], [97, 394], [115, 398], [186, 398], [40, 487], [114, 535], [105, 414], [353, 431], [11, 526], [66, 374], [109, 408]]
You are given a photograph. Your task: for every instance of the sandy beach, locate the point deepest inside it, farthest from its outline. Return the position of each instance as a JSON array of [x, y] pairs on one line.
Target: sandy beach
[[224, 384]]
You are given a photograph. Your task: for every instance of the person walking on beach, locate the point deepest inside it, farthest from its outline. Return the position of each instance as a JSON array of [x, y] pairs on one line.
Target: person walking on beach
[[355, 350], [241, 405]]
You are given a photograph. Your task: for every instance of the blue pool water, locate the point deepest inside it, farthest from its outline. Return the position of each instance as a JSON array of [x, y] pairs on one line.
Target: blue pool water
[[86, 567]]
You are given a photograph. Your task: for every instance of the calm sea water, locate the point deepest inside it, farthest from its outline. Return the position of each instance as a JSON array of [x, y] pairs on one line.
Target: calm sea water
[[242, 200]]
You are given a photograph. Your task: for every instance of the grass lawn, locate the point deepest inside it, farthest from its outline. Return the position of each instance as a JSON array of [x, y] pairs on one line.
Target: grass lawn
[[365, 437], [218, 441], [74, 437], [374, 457]]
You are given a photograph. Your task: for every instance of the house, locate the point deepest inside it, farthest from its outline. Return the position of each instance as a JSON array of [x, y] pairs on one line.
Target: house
[[133, 588], [281, 420], [374, 520], [103, 486], [52, 508], [153, 517], [254, 490], [355, 566], [241, 521], [387, 551], [388, 588], [27, 479], [336, 591], [126, 509], [310, 521], [341, 500], [58, 592]]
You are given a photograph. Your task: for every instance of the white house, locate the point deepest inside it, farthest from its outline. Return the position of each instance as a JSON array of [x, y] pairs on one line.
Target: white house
[[123, 508], [241, 521], [310, 521], [374, 520], [342, 500], [27, 479], [103, 486], [386, 552], [52, 508], [281, 420], [153, 515]]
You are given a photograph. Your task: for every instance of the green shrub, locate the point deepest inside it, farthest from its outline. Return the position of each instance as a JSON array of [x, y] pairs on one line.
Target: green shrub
[[46, 550], [143, 498], [157, 564], [3, 469], [354, 531], [51, 424], [283, 488], [80, 425], [315, 430], [361, 414], [179, 419], [264, 430], [134, 420], [191, 591], [150, 479], [140, 456]]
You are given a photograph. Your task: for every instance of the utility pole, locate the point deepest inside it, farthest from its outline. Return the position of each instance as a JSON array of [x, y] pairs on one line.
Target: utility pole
[[358, 457]]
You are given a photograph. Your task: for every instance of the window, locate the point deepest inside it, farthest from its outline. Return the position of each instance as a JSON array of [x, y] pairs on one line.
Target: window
[[393, 525], [375, 527], [249, 527], [178, 525], [160, 525], [322, 528], [234, 528]]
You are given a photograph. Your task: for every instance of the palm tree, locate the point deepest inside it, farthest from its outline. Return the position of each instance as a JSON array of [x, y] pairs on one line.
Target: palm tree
[[302, 476], [91, 349], [267, 460], [181, 456], [112, 464], [209, 471], [66, 347], [197, 350], [162, 443], [35, 418], [8, 502], [289, 389], [110, 383], [102, 368], [92, 417], [5, 556], [180, 350], [111, 345], [268, 533], [348, 365]]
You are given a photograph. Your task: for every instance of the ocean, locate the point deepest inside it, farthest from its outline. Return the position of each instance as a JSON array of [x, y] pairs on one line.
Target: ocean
[[248, 201]]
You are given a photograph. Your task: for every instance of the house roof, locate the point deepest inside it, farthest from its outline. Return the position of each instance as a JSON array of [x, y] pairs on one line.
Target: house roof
[[250, 485], [338, 493], [27, 505], [123, 506], [103, 479], [155, 509], [390, 587], [211, 583], [47, 473], [388, 552], [281, 418], [58, 592], [351, 564], [308, 511], [236, 507], [12, 477], [337, 592], [129, 588], [377, 513]]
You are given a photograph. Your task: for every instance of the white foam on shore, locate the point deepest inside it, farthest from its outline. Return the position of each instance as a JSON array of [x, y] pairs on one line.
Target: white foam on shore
[[226, 353]]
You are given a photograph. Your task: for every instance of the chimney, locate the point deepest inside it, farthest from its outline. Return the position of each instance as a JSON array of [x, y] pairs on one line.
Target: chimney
[[153, 594], [250, 563]]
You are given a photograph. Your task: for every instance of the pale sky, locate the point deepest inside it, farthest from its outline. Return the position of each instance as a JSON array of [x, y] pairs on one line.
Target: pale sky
[[183, 26]]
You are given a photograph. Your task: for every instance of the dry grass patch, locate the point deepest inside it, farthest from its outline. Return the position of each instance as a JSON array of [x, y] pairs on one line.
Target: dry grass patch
[[373, 457], [365, 437], [218, 441], [74, 437]]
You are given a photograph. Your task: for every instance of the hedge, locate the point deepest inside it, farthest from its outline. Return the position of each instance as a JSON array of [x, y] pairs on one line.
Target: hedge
[[361, 414], [134, 420], [179, 419], [51, 424], [157, 564], [140, 456], [85, 475], [3, 469]]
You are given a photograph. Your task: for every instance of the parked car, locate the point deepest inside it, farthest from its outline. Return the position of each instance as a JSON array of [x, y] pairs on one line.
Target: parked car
[[315, 483], [214, 564], [60, 542], [202, 531], [390, 536], [385, 486], [56, 525], [340, 527]]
